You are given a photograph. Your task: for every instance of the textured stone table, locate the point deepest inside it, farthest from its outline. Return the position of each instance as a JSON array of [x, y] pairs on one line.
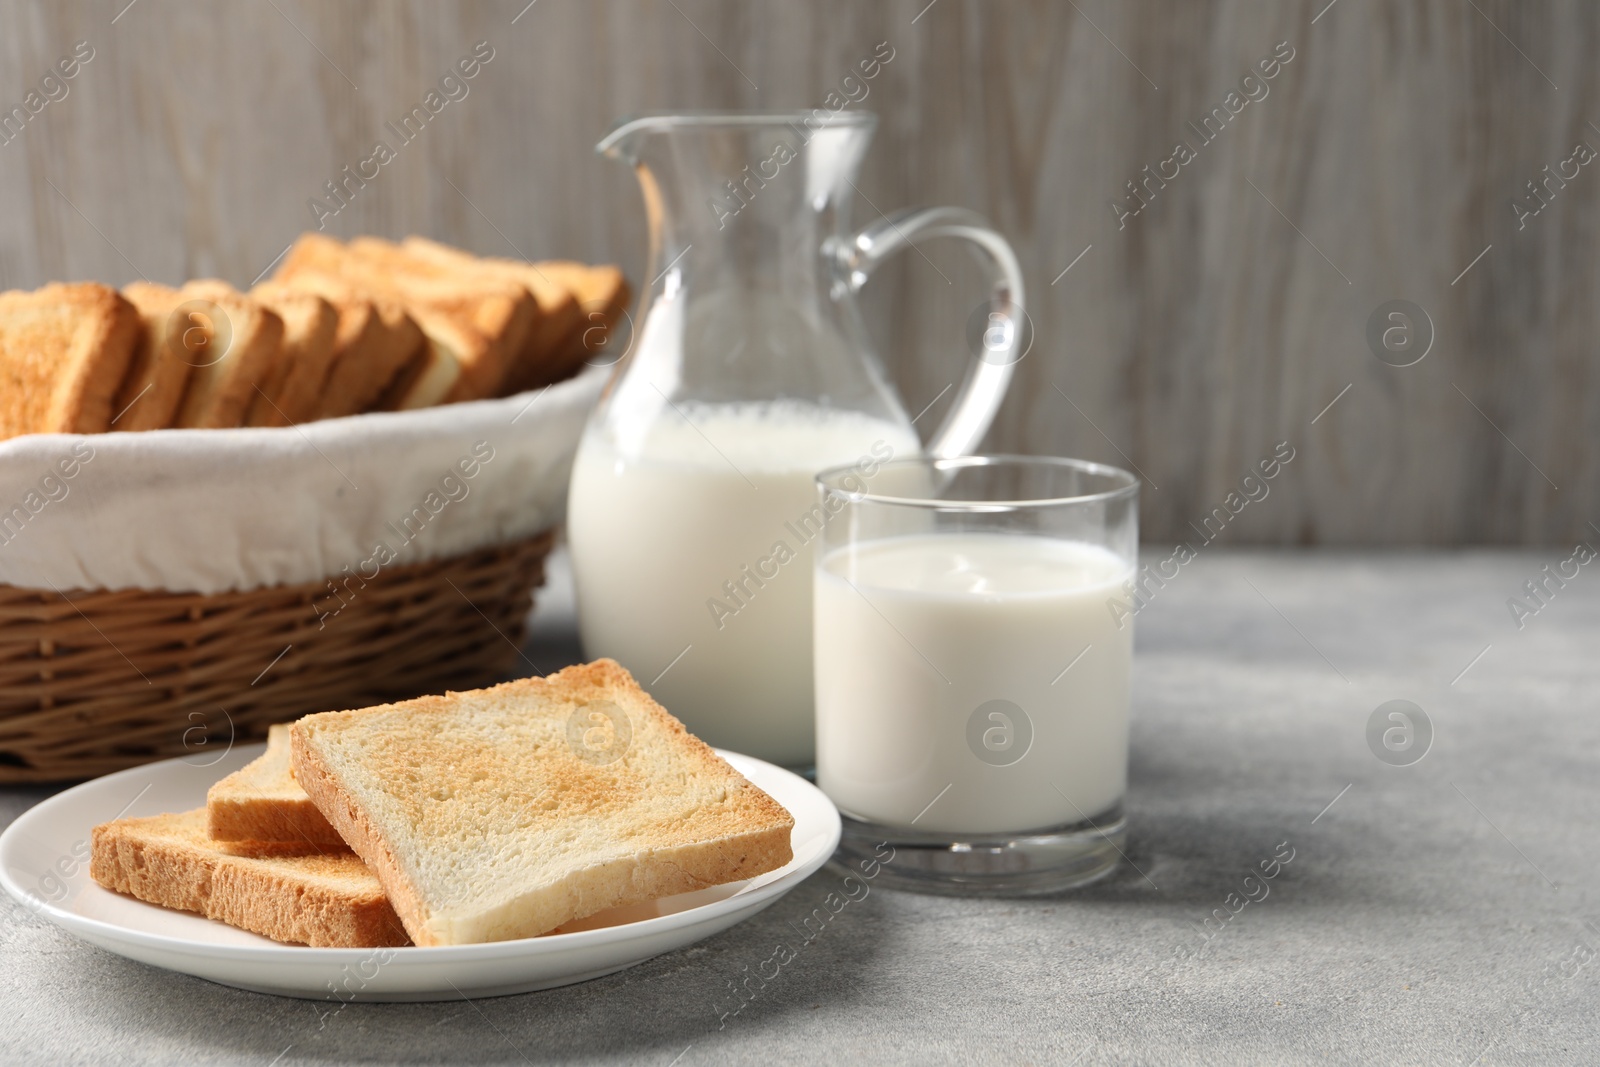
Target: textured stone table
[[1438, 913]]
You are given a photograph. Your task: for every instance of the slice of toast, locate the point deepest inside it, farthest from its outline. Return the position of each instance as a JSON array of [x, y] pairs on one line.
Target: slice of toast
[[505, 812], [602, 294], [559, 312], [328, 900], [375, 344], [434, 375], [261, 806], [310, 328], [153, 387], [432, 371], [477, 325], [64, 351], [243, 346], [491, 317]]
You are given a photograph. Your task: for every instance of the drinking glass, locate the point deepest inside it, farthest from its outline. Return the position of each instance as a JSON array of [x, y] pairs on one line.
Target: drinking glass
[[973, 647]]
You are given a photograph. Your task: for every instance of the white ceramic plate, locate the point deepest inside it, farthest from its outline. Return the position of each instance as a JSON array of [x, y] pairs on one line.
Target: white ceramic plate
[[44, 866]]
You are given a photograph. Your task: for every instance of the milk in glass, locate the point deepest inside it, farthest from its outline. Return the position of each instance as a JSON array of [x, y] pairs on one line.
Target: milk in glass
[[979, 673]]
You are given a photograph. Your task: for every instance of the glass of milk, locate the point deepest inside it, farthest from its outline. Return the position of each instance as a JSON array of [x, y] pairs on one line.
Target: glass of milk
[[971, 668]]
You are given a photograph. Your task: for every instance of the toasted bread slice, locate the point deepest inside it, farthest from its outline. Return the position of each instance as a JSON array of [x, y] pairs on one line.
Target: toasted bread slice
[[376, 343], [602, 293], [431, 372], [503, 813], [479, 326], [261, 805], [489, 318], [310, 329], [427, 380], [64, 351], [327, 900], [244, 344], [559, 312], [153, 387], [313, 253]]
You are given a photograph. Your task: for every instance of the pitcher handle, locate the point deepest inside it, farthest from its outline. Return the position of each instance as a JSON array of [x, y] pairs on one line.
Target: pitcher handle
[[989, 373]]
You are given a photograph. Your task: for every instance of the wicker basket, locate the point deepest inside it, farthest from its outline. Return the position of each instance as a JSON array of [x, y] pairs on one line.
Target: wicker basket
[[92, 682]]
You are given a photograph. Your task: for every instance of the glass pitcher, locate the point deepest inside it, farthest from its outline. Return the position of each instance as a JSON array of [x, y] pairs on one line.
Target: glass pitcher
[[692, 509]]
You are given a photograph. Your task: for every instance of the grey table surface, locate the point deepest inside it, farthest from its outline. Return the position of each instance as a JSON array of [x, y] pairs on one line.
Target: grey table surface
[[1438, 913]]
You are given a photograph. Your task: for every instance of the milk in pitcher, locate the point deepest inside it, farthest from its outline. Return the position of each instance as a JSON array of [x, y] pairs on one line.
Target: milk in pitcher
[[693, 561]]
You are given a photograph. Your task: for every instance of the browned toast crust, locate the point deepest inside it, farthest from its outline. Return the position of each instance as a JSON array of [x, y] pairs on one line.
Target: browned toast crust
[[559, 312], [224, 384], [358, 832], [64, 351], [292, 391], [482, 326], [327, 900], [157, 375], [375, 343]]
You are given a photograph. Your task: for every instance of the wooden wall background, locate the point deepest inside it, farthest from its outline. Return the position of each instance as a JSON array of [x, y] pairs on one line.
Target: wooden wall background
[[1218, 322]]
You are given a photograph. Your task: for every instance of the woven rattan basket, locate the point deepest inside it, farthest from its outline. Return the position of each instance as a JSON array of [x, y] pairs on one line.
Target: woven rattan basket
[[92, 682]]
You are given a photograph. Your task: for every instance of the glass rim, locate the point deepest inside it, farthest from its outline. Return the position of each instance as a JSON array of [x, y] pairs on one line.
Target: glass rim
[[827, 481]]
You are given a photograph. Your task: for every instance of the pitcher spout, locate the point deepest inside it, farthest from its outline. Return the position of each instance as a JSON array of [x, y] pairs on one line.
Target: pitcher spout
[[623, 140], [626, 140]]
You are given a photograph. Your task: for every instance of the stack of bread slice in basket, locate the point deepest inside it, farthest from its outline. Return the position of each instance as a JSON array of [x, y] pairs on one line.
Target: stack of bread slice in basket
[[340, 329], [471, 817]]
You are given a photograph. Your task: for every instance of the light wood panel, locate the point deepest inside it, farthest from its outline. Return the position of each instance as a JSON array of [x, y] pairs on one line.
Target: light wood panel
[[1219, 321]]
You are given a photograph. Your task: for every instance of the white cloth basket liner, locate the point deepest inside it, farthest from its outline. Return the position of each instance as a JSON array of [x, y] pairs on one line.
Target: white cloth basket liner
[[209, 511]]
